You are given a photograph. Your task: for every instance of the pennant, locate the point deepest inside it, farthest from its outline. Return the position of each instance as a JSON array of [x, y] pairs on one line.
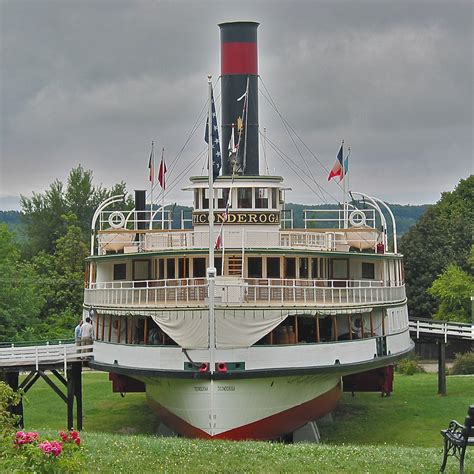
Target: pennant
[[151, 168], [162, 172]]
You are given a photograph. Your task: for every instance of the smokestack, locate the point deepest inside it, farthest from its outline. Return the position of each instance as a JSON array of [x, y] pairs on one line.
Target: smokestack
[[140, 208], [239, 62]]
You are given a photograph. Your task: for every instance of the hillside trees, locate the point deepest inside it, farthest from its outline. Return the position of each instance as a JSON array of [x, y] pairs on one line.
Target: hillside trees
[[442, 237], [20, 291], [43, 213]]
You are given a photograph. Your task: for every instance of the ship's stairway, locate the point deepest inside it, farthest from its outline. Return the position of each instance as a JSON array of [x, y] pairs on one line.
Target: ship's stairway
[[234, 265]]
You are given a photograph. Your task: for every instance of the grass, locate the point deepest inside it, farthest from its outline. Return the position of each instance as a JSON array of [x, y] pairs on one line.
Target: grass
[[369, 433]]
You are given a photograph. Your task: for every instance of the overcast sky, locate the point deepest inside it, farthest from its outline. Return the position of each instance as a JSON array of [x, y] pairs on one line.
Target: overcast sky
[[94, 82]]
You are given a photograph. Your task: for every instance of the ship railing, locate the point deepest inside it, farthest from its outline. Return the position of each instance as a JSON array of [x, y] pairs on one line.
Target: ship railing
[[443, 329], [242, 291], [127, 241]]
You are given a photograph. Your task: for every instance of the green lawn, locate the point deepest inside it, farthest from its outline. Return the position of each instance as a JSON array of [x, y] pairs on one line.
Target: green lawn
[[369, 433]]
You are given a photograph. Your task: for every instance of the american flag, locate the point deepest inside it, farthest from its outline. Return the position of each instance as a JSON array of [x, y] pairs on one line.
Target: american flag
[[216, 146]]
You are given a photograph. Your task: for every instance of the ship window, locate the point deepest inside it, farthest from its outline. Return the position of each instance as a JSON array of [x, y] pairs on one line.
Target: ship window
[[290, 267], [120, 271], [218, 265], [368, 270], [274, 198], [304, 268], [222, 198], [244, 200], [340, 269], [170, 268], [205, 198], [141, 270], [314, 268], [161, 269], [255, 267], [199, 267], [273, 267], [261, 198], [183, 266], [196, 199]]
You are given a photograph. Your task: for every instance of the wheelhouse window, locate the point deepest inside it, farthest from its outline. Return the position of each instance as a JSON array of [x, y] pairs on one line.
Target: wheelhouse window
[[274, 198], [161, 269], [368, 271], [205, 198], [273, 267], [244, 198], [223, 198], [314, 268], [183, 267], [340, 269], [120, 271], [261, 198], [255, 267], [196, 199]]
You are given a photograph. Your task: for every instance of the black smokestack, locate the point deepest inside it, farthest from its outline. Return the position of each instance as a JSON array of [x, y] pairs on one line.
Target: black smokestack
[[140, 208], [239, 63]]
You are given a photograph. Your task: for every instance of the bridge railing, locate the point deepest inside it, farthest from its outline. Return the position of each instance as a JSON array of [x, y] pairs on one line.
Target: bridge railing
[[40, 355], [444, 329]]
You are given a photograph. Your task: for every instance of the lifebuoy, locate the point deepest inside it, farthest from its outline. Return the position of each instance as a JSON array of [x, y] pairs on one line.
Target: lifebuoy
[[357, 218], [116, 220]]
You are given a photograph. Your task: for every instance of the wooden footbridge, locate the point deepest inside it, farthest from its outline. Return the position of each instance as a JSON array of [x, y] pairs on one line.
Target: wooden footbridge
[[36, 360]]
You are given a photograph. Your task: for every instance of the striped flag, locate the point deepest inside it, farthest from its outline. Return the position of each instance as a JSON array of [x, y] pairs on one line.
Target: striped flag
[[162, 172]]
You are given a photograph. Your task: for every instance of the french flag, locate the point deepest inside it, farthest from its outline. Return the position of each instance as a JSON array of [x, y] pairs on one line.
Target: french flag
[[337, 169]]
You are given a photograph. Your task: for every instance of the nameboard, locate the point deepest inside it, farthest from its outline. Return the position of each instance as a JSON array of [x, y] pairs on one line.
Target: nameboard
[[261, 217]]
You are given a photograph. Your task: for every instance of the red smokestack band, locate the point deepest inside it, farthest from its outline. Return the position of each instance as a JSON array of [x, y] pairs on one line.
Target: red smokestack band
[[239, 58]]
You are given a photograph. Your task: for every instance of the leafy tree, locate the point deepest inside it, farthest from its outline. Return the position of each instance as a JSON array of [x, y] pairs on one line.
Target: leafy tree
[[441, 237], [453, 288], [43, 214], [20, 298]]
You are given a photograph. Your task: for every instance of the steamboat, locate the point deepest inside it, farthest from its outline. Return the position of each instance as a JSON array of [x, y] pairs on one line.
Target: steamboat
[[238, 325]]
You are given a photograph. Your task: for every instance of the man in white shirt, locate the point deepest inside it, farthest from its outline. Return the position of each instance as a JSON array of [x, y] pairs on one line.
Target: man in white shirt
[[87, 333]]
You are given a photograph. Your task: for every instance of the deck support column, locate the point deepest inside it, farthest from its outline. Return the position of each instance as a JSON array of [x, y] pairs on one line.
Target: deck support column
[[441, 368], [74, 390]]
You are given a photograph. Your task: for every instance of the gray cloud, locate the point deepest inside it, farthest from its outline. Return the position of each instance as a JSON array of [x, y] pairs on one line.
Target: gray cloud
[[93, 82]]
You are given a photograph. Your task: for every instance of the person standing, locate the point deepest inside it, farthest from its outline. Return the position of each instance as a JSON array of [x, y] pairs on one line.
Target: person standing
[[77, 333], [87, 333]]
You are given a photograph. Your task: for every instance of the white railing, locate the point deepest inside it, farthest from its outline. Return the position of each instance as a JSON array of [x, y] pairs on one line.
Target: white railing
[[444, 329], [148, 241], [39, 355], [288, 292]]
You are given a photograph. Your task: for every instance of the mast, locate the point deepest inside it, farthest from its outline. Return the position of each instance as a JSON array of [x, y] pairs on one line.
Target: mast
[[211, 270]]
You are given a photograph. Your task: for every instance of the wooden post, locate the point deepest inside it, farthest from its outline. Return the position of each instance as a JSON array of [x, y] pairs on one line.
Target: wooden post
[[77, 371], [145, 331], [97, 325], [349, 323], [371, 324], [119, 329], [441, 368], [383, 322], [318, 339], [361, 326], [296, 329], [103, 327], [111, 320], [70, 399]]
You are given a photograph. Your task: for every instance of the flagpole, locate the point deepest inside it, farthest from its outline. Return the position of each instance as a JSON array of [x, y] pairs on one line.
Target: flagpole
[[246, 106], [152, 182], [211, 270], [344, 200], [163, 191]]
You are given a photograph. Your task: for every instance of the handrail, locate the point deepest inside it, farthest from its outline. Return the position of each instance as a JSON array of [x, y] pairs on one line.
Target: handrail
[[441, 328]]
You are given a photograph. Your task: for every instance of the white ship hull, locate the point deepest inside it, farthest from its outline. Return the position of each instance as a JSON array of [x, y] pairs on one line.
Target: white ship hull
[[257, 408]]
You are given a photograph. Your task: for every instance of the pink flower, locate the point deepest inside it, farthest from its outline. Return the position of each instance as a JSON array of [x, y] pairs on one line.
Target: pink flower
[[74, 434], [20, 434], [33, 435], [64, 436], [78, 441], [46, 447], [56, 448]]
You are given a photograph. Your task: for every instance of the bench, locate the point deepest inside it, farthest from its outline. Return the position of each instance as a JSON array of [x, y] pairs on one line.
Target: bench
[[457, 438]]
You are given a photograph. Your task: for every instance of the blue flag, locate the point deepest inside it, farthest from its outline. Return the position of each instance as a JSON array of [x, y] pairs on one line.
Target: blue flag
[[216, 146]]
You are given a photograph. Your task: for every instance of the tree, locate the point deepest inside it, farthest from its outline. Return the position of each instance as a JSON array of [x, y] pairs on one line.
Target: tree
[[20, 298], [43, 214], [441, 237], [453, 288]]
